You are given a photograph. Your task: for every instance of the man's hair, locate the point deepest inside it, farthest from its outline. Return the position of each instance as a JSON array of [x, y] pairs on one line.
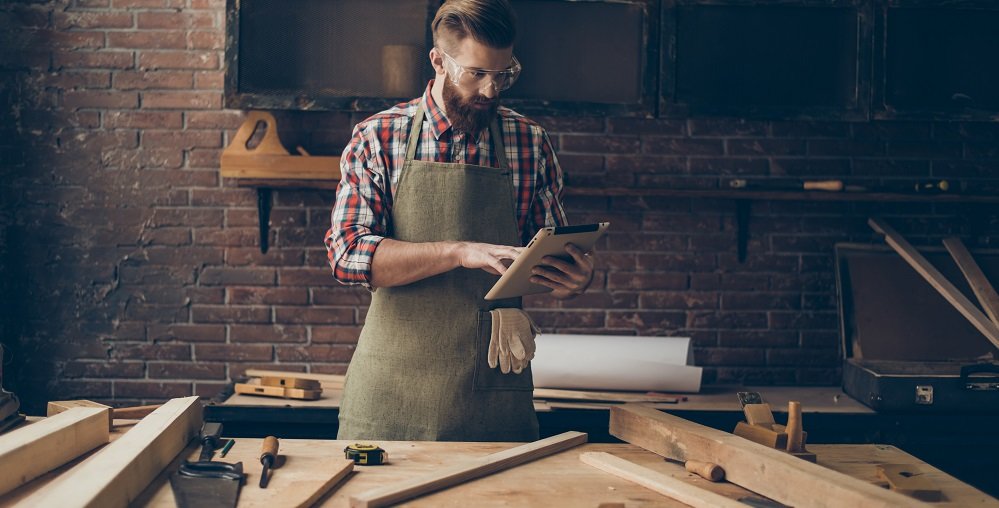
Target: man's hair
[[489, 22]]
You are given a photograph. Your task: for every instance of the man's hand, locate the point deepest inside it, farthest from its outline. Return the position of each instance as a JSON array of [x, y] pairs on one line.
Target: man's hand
[[486, 256], [566, 279]]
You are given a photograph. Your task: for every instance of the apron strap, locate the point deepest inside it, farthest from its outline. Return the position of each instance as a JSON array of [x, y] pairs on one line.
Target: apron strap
[[495, 135]]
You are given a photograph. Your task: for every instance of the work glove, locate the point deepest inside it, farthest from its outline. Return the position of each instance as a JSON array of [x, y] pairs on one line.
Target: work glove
[[511, 342]]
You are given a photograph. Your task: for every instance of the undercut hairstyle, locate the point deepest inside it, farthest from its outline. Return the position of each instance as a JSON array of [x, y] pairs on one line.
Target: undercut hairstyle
[[489, 22]]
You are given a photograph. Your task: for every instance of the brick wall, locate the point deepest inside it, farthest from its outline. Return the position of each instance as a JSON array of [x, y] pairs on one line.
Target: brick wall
[[131, 272]]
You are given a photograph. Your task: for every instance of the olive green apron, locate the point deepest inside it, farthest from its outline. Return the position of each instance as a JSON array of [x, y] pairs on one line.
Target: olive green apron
[[419, 371]]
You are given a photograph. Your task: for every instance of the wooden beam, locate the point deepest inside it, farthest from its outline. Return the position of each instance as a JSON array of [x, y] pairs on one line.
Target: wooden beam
[[467, 470], [36, 449], [772, 473], [937, 280], [116, 475], [983, 290], [662, 483]]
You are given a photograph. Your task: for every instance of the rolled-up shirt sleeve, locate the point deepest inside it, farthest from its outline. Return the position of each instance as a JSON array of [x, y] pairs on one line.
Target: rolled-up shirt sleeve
[[358, 222], [547, 208]]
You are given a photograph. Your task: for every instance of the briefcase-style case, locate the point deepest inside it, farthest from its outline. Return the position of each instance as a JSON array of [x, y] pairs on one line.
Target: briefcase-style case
[[906, 349]]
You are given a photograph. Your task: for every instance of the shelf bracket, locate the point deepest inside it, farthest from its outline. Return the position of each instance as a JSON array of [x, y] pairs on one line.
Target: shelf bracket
[[742, 208], [264, 216]]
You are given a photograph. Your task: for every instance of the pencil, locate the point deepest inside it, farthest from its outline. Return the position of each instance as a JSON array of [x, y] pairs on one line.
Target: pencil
[[225, 449]]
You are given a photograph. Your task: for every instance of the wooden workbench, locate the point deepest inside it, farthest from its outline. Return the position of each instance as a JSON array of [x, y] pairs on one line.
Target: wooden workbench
[[558, 480]]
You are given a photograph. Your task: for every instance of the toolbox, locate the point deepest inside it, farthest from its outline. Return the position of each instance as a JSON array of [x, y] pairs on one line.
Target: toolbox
[[905, 348]]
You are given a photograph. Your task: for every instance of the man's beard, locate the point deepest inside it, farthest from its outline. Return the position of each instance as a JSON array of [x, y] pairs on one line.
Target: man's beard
[[463, 114]]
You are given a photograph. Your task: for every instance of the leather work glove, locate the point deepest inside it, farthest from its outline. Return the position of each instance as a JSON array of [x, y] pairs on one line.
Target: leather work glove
[[511, 343]]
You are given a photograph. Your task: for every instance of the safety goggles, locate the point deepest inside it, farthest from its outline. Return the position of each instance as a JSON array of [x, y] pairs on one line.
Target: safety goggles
[[479, 78]]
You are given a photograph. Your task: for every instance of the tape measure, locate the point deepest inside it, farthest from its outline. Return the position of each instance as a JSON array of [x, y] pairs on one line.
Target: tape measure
[[366, 454]]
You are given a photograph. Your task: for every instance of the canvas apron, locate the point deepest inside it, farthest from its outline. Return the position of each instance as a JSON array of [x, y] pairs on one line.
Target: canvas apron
[[419, 371]]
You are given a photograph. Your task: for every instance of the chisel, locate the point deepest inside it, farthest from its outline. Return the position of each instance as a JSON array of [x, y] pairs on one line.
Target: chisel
[[268, 454], [210, 434]]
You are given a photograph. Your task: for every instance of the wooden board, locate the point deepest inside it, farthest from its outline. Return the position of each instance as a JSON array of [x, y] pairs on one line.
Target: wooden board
[[980, 285], [467, 470], [561, 476], [664, 484], [556, 394], [33, 450], [937, 280], [326, 380], [253, 387], [766, 471], [120, 471]]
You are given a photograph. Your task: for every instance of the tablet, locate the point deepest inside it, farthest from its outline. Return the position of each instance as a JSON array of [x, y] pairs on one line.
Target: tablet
[[549, 241]]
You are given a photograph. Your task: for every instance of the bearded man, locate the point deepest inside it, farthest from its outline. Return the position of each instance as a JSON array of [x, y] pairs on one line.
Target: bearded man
[[436, 196]]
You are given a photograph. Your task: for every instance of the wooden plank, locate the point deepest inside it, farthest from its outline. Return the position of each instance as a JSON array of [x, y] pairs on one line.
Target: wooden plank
[[937, 280], [772, 473], [115, 475], [255, 388], [909, 480], [980, 285], [36, 449], [467, 470], [661, 483]]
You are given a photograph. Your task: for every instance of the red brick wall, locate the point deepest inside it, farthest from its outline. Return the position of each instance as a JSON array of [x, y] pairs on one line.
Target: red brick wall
[[131, 272]]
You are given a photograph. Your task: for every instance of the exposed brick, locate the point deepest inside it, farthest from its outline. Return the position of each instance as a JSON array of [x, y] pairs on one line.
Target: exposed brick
[[153, 60], [270, 296], [91, 19], [306, 277], [644, 321], [683, 146], [76, 80], [728, 356], [324, 353], [186, 370], [335, 334], [143, 119], [161, 39], [74, 99], [65, 40], [187, 332], [765, 147], [315, 315], [153, 80], [230, 314], [205, 39], [605, 144], [237, 276], [268, 333], [152, 20], [645, 281], [151, 351], [234, 352], [181, 100], [181, 139], [214, 119], [567, 318], [726, 127], [103, 369], [209, 80], [660, 127], [677, 300], [151, 389]]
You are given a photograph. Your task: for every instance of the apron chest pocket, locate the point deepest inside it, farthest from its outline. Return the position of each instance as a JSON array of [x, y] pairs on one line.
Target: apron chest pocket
[[486, 378]]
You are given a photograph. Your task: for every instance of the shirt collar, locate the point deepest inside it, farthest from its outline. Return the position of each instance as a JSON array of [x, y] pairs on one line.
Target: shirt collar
[[439, 124]]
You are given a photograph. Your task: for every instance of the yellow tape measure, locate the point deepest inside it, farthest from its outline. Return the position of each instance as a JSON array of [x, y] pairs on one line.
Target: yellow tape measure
[[366, 454]]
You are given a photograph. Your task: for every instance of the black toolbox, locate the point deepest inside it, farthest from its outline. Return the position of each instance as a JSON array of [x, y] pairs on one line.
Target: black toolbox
[[906, 349]]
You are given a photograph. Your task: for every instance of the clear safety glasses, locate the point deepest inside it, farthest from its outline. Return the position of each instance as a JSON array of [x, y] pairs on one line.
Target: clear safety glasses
[[479, 78]]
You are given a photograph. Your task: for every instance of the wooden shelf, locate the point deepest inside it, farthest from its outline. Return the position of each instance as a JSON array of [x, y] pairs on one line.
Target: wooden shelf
[[786, 195]]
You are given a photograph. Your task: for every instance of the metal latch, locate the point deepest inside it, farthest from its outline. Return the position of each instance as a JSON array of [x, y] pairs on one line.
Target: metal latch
[[924, 395], [975, 382]]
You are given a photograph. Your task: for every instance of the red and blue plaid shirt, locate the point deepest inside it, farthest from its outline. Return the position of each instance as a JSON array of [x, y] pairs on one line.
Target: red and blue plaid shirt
[[372, 163]]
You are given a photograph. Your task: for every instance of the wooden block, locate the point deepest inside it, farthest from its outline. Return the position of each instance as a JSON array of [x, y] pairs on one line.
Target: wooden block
[[664, 484], [115, 475], [758, 414], [55, 407], [36, 449], [467, 470], [277, 391], [326, 380], [291, 382], [908, 479], [762, 435], [766, 471]]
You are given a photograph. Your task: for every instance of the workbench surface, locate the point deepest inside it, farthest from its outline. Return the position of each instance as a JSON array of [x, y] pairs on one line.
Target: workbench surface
[[558, 480]]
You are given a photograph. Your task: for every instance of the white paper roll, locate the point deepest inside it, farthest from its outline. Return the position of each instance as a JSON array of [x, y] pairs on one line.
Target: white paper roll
[[615, 362]]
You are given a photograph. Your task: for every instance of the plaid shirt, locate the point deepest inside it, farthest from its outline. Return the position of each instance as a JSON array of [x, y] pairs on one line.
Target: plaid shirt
[[372, 163]]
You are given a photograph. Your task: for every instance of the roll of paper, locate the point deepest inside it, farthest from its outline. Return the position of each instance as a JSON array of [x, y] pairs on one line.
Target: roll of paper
[[615, 362]]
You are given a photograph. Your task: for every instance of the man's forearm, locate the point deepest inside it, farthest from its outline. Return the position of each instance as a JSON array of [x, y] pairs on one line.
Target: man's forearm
[[397, 263]]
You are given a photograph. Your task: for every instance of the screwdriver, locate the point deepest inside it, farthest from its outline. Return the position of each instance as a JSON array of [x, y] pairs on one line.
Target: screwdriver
[[268, 453]]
